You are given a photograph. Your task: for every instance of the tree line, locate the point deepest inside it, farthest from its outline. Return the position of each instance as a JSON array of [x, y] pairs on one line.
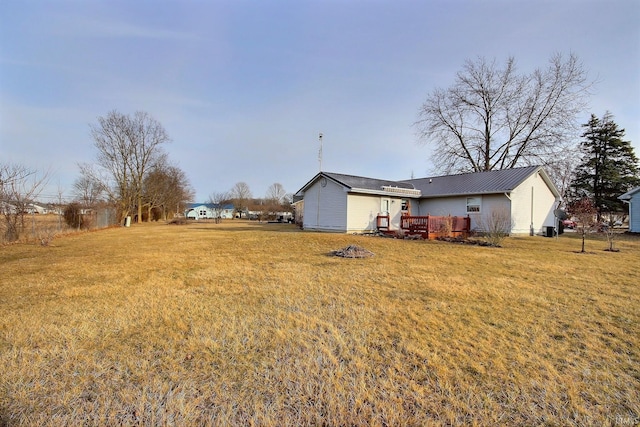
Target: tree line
[[276, 200], [132, 171]]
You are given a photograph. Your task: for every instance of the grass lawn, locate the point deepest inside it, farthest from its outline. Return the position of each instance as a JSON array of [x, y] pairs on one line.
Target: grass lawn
[[244, 323]]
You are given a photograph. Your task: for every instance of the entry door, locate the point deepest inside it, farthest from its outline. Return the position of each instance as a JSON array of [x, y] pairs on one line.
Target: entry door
[[384, 206]]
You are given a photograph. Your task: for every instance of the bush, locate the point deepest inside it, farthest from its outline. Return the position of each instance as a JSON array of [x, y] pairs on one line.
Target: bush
[[496, 225], [73, 216]]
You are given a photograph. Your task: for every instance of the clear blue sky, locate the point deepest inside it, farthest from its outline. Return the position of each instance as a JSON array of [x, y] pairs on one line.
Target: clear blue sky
[[244, 87]]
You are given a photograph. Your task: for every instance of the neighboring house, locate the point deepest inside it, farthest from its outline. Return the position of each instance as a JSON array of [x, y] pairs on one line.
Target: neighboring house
[[208, 211], [32, 208], [7, 208], [28, 208], [633, 198], [346, 203]]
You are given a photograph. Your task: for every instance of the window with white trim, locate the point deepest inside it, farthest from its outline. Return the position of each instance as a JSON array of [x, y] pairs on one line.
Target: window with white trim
[[473, 204]]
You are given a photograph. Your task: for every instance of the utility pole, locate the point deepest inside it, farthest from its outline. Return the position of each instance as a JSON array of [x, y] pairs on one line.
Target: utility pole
[[320, 152]]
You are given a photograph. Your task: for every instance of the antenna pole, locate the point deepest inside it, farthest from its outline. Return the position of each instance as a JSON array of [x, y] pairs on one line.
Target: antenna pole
[[320, 151]]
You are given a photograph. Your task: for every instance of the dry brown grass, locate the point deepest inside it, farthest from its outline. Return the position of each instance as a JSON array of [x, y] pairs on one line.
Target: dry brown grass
[[37, 228], [254, 324]]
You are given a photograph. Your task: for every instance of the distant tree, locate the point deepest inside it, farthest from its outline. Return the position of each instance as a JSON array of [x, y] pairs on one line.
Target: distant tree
[[73, 216], [165, 189], [241, 196], [585, 212], [276, 193], [218, 201], [493, 117], [19, 188], [608, 166], [128, 146], [276, 199], [87, 190], [562, 172]]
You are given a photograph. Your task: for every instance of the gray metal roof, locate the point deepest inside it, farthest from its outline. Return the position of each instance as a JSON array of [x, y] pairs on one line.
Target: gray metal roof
[[352, 181], [490, 182]]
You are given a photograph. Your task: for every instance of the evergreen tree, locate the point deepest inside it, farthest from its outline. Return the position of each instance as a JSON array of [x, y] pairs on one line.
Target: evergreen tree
[[608, 166]]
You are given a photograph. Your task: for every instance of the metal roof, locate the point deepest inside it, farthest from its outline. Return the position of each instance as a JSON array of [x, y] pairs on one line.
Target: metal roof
[[490, 182], [352, 181]]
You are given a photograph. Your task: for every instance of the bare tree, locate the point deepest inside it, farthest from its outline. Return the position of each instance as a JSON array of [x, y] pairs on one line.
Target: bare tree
[[87, 190], [610, 232], [241, 196], [127, 148], [19, 187], [276, 193], [562, 171], [276, 199], [218, 201], [166, 188], [584, 210], [494, 118]]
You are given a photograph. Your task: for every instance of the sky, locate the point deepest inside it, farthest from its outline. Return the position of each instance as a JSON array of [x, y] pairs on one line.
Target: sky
[[244, 88]]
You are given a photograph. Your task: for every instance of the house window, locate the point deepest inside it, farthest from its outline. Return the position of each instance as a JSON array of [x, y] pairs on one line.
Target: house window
[[473, 204], [203, 213]]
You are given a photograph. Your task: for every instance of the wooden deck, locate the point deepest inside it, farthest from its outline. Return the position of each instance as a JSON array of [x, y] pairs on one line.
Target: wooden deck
[[429, 227]]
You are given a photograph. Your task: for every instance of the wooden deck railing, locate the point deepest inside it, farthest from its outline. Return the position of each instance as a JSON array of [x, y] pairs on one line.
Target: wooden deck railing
[[382, 222], [429, 227]]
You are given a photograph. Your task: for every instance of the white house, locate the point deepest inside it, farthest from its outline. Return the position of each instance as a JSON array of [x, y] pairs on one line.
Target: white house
[[208, 211], [633, 198], [347, 203]]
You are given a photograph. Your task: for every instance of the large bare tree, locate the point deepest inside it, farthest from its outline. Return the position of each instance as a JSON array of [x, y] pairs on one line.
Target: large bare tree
[[128, 146], [493, 117]]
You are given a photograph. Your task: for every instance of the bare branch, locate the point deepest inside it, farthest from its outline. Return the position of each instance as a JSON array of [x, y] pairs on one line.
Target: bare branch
[[494, 118]]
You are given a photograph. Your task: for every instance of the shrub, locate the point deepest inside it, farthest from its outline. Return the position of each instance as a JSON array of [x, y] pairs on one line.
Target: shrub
[[73, 216], [496, 225]]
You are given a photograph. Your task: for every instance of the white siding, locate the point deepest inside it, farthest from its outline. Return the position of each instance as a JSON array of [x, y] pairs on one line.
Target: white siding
[[325, 208], [532, 204], [363, 211]]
